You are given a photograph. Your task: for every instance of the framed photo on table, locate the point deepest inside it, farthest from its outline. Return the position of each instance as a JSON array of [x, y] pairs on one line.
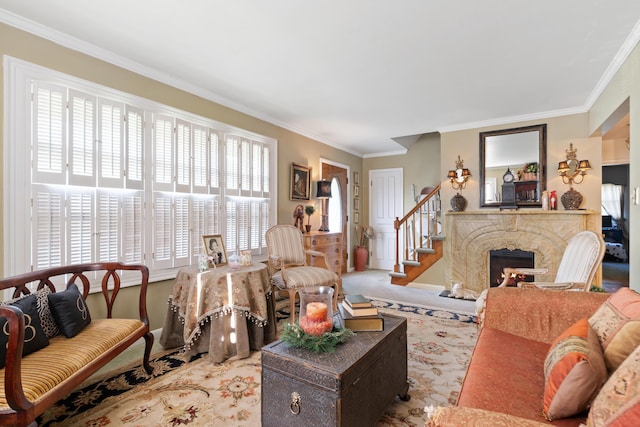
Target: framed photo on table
[[214, 245], [300, 186]]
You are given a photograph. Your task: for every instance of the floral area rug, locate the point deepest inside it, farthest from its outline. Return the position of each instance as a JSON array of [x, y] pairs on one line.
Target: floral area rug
[[200, 393]]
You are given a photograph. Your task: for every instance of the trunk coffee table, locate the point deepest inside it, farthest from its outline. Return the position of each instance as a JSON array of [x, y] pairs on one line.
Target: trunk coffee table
[[350, 387]]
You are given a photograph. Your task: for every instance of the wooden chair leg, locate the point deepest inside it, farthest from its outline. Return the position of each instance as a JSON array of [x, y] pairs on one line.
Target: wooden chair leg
[[292, 306]]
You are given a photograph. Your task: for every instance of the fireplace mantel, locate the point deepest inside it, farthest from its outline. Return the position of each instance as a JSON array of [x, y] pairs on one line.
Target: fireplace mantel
[[469, 236]]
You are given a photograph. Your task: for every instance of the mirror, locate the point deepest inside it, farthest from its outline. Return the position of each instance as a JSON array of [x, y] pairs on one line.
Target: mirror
[[523, 151]]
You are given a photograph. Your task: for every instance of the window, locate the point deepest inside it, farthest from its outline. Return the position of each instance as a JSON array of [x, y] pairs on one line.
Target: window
[[119, 178]]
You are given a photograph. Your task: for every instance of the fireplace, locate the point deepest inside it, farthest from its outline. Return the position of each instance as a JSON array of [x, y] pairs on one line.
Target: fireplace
[[501, 258]]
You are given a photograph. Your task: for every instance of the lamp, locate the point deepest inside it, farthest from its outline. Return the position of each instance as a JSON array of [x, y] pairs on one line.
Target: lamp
[[323, 192], [572, 172], [458, 178]]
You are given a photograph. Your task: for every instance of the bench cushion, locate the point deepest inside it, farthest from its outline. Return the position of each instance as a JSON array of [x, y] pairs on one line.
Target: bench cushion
[[45, 368]]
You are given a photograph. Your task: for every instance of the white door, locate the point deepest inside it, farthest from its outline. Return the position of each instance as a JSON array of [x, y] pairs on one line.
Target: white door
[[385, 206]]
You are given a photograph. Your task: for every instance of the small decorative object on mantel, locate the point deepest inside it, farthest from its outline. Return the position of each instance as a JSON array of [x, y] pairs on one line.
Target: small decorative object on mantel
[[508, 191], [458, 178], [572, 172]]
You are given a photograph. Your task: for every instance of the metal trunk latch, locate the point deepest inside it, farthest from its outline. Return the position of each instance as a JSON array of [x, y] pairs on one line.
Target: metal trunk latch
[[294, 407]]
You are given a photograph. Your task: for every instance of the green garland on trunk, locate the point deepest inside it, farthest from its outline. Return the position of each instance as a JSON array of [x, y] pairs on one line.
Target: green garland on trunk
[[294, 336]]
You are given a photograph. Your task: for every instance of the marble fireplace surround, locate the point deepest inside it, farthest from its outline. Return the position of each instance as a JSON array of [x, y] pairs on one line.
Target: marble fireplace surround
[[470, 236]]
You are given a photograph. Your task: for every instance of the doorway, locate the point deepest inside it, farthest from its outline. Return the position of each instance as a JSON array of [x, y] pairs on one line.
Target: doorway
[[338, 175], [385, 205]]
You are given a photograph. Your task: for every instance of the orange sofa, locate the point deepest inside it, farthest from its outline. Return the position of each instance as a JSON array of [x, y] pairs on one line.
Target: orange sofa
[[504, 383]]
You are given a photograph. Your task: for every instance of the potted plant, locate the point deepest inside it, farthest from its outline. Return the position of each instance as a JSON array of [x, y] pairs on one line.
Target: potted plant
[[309, 210]]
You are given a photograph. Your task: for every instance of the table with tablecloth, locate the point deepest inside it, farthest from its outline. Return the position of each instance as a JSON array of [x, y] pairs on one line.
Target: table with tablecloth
[[221, 312]]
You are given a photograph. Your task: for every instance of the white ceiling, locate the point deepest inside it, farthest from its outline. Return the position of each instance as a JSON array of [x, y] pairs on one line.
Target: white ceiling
[[358, 74]]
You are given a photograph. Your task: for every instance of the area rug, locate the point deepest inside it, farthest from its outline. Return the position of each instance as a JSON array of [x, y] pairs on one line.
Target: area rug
[[200, 393]]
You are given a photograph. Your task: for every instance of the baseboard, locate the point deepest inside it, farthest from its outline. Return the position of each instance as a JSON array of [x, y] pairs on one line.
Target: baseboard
[[426, 286]]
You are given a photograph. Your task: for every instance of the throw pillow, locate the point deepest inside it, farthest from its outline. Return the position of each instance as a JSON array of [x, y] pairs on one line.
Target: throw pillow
[[574, 371], [617, 323], [69, 310], [34, 336], [46, 318], [618, 403]]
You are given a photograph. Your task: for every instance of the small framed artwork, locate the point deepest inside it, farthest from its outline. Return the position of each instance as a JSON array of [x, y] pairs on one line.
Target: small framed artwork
[[300, 186], [356, 190], [214, 245], [356, 204], [356, 217], [356, 178]]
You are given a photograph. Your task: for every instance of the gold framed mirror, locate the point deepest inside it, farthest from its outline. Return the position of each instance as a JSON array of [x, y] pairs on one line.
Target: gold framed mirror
[[523, 150]]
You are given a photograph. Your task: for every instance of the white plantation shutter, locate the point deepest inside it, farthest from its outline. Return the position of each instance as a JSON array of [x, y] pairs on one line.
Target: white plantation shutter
[[256, 169], [162, 231], [198, 227], [243, 225], [82, 139], [111, 144], [255, 225], [48, 227], [132, 227], [245, 167], [163, 153], [215, 171], [200, 159], [231, 225], [181, 231], [134, 148], [266, 171], [80, 212], [265, 223], [183, 157], [232, 164], [49, 133], [108, 227]]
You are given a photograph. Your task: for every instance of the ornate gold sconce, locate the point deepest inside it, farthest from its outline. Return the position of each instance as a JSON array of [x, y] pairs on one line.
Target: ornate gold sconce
[[572, 172], [458, 178]]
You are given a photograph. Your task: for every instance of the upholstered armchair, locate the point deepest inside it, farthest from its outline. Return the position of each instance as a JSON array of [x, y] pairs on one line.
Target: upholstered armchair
[[578, 266], [288, 266]]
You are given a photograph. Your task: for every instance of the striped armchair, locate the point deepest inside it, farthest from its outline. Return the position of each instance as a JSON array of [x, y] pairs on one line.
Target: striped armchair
[[288, 266]]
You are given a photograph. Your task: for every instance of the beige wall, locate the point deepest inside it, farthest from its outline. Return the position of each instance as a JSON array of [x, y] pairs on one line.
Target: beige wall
[[625, 86], [291, 146]]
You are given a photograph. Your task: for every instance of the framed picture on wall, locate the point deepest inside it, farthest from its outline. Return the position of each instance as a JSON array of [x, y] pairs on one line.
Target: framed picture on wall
[[356, 217], [214, 245], [356, 190], [356, 204], [300, 185], [356, 178]]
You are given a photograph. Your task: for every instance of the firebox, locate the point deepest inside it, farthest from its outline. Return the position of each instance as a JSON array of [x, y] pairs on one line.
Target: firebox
[[501, 258]]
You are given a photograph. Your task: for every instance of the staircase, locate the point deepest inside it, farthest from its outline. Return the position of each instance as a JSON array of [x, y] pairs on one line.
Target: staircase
[[421, 232]]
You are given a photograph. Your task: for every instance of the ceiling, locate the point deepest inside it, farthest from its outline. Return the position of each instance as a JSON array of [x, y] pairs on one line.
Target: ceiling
[[366, 76]]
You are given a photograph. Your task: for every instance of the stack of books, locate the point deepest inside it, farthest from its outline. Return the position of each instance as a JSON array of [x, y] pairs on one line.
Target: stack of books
[[358, 314]]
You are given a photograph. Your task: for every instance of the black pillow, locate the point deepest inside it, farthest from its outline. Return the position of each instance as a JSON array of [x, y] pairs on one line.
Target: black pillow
[[34, 336], [69, 310]]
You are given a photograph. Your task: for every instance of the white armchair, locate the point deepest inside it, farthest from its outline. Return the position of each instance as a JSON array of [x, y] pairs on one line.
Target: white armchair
[[288, 265]]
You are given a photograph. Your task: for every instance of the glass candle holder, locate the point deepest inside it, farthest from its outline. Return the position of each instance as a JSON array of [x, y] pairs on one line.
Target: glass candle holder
[[316, 310]]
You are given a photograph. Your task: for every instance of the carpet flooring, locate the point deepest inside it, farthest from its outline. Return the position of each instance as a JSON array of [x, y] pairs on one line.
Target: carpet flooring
[[200, 393]]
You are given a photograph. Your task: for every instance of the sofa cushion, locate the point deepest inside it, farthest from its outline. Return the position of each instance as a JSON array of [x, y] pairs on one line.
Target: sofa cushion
[[69, 310], [34, 336], [574, 371], [618, 403], [617, 323]]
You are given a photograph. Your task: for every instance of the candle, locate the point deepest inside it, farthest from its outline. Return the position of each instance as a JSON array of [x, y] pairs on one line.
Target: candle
[[317, 311]]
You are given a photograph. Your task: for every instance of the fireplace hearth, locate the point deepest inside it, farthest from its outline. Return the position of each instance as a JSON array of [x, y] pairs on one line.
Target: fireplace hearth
[[516, 258]]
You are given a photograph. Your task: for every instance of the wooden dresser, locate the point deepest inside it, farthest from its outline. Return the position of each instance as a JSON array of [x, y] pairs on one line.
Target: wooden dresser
[[328, 243]]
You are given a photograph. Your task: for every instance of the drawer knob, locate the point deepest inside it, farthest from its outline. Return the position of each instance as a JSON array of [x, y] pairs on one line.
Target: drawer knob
[[294, 406]]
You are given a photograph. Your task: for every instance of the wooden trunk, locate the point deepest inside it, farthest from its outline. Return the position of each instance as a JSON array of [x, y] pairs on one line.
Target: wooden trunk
[[350, 387]]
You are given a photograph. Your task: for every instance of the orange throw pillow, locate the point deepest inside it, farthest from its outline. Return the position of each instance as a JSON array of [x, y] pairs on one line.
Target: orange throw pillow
[[574, 371]]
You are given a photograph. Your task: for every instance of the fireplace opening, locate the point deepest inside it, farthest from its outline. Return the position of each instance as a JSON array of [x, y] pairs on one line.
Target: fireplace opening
[[501, 258]]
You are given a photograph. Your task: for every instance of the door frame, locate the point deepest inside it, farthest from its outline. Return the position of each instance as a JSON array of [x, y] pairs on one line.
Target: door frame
[[346, 232]]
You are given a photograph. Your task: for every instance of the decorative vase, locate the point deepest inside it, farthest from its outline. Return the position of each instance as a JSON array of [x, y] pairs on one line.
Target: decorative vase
[[308, 228], [316, 310], [571, 200], [458, 203], [361, 253]]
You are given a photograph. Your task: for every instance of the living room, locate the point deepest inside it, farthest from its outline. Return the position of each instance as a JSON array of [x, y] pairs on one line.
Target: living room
[[425, 161]]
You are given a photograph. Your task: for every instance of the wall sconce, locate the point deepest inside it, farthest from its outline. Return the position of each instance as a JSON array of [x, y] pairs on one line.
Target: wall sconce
[[323, 193], [458, 178], [572, 172]]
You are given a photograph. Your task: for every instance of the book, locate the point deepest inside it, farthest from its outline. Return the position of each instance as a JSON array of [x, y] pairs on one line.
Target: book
[[360, 312], [358, 301], [360, 324]]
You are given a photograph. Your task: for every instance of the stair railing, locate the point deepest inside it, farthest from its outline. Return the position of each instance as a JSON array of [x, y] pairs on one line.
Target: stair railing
[[418, 227]]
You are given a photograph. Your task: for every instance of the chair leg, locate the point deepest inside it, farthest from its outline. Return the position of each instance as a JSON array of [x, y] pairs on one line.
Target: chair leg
[[292, 306]]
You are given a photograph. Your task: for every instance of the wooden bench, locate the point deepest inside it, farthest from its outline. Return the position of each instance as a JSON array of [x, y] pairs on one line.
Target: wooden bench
[[34, 382]]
